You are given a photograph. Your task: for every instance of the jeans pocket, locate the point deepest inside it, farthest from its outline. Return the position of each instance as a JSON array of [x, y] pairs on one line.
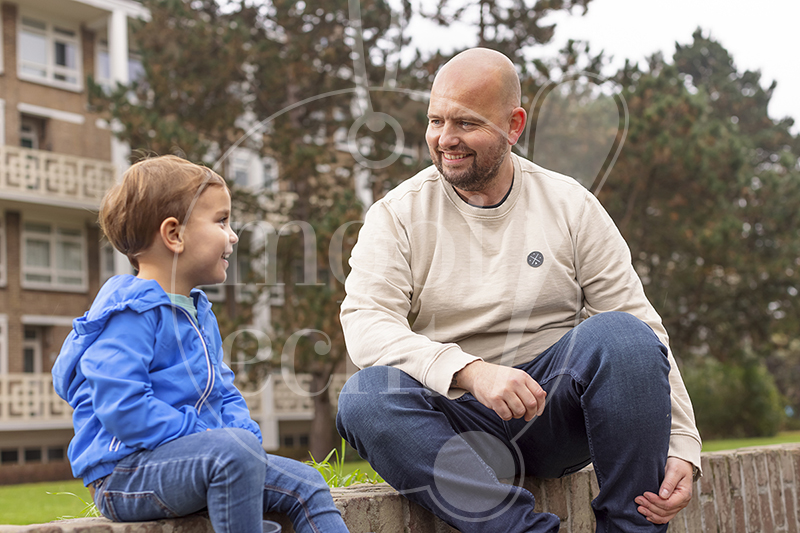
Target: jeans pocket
[[466, 397], [134, 506]]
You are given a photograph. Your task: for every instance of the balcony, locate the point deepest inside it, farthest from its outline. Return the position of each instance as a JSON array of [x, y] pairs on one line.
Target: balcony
[[56, 179], [28, 402]]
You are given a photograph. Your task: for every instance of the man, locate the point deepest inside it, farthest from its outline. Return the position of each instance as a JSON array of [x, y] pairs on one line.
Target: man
[[467, 310]]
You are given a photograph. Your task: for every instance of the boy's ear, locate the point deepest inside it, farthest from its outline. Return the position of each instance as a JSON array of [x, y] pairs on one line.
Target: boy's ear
[[170, 232]]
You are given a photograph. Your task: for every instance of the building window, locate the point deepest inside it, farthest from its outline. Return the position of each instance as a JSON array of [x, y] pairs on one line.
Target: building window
[[103, 65], [247, 169], [107, 261], [55, 453], [9, 456], [288, 441], [49, 53], [53, 257], [32, 132], [2, 251], [3, 344], [32, 350], [33, 455]]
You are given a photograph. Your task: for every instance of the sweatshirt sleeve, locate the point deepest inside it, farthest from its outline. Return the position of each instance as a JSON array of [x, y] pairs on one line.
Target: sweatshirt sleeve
[[116, 366], [610, 283], [374, 313]]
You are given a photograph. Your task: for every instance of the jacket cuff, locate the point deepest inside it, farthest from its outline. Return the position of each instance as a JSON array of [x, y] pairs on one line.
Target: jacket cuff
[[248, 424]]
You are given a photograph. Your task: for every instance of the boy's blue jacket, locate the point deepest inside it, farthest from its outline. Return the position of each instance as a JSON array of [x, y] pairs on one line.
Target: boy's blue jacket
[[139, 372]]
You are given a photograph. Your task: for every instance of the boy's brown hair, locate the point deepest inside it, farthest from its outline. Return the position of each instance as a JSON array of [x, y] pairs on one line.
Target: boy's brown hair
[[151, 191]]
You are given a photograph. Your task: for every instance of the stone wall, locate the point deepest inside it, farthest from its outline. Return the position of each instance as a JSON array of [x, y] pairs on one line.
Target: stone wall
[[752, 490]]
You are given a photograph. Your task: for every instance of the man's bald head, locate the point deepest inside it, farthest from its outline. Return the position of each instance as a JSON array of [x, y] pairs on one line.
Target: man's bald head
[[474, 117], [485, 69]]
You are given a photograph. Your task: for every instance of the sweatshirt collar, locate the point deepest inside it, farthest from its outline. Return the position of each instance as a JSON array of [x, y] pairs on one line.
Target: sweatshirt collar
[[488, 212]]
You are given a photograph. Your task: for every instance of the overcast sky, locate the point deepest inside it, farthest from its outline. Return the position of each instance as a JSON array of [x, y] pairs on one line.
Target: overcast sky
[[760, 35]]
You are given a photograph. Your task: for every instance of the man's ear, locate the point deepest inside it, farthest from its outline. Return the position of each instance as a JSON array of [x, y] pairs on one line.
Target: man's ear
[[171, 235], [517, 125]]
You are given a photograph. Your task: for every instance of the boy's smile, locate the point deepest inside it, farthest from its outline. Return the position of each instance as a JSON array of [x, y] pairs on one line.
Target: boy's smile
[[208, 240]]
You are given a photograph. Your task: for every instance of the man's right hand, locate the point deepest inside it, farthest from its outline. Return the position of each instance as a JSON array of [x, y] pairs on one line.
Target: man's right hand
[[509, 392]]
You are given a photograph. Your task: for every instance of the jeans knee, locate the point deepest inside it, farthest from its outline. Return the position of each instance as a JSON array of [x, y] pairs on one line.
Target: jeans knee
[[374, 403], [367, 393], [311, 475], [240, 449]]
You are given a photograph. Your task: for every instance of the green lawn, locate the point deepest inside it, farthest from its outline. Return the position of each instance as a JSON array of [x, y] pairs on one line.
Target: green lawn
[[30, 503], [731, 444]]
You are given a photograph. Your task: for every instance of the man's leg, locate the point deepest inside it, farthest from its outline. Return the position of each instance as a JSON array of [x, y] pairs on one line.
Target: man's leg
[[608, 401], [418, 442]]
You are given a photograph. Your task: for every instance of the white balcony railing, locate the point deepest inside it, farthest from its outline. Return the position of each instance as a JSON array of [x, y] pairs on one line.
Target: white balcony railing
[[41, 175], [28, 401]]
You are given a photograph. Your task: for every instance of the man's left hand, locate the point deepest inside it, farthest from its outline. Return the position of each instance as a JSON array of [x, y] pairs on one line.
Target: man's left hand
[[673, 495]]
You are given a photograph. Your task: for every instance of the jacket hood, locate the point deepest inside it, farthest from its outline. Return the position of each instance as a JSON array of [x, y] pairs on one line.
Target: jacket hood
[[118, 294]]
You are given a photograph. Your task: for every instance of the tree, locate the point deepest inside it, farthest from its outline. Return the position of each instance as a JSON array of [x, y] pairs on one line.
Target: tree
[[508, 26], [706, 192], [177, 107]]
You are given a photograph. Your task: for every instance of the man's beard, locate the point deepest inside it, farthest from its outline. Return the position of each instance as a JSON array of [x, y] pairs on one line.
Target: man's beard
[[478, 176]]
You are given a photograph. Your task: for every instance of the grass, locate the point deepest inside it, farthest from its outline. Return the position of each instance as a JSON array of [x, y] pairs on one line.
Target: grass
[[37, 503], [784, 437], [336, 474]]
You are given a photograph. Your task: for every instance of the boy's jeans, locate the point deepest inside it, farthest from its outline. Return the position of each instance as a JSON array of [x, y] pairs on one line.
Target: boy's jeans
[[607, 402], [225, 470]]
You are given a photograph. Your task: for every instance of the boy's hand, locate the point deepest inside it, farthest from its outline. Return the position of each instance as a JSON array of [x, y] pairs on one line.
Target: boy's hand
[[674, 494]]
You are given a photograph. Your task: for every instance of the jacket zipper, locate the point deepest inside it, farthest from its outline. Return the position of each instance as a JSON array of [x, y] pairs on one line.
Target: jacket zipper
[[211, 377]]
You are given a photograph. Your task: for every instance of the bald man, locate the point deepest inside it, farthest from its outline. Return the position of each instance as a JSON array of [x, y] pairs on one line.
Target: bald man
[[502, 332]]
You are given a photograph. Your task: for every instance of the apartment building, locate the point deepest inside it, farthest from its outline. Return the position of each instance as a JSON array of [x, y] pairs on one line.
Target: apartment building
[[57, 159]]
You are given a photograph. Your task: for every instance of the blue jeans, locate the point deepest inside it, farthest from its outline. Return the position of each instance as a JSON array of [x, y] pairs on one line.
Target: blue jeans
[[225, 470], [607, 403]]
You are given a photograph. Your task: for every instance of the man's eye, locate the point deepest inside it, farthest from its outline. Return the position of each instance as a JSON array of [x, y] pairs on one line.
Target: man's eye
[[466, 124]]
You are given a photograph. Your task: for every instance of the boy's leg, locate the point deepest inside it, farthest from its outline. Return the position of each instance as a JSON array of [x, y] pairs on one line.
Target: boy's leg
[[444, 454], [300, 492], [223, 470], [608, 401]]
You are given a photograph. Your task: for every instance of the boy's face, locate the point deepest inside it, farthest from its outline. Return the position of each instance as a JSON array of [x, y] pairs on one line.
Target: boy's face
[[208, 239]]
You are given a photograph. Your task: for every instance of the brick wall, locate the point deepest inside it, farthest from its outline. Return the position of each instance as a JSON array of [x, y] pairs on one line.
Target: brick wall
[[81, 140], [752, 490]]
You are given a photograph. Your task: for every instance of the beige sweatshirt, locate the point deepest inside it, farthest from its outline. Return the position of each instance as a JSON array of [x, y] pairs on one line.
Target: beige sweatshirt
[[437, 283]]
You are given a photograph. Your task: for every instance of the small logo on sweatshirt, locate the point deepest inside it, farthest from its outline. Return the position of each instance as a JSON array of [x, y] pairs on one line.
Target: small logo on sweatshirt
[[535, 259]]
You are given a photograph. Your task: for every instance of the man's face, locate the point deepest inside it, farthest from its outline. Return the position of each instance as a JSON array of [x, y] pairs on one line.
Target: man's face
[[465, 134]]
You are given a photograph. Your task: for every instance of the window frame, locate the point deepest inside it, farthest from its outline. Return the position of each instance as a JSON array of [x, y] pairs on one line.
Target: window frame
[[3, 252], [37, 345], [106, 251], [53, 238], [3, 344], [51, 36], [101, 47]]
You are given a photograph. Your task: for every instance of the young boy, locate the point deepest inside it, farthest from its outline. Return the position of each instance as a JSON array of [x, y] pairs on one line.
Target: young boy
[[160, 429]]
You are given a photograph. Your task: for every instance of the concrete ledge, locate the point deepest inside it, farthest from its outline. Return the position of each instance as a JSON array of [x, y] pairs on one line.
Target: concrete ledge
[[751, 489]]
